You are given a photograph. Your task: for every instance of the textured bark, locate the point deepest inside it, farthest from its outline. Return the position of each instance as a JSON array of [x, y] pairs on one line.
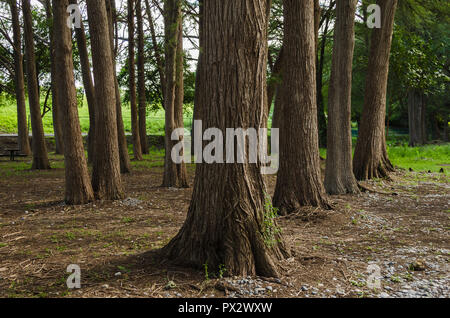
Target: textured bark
[[87, 84], [125, 164], [40, 156], [78, 184], [57, 126], [22, 125], [157, 51], [141, 80], [371, 160], [106, 179], [172, 19], [339, 178], [299, 181], [225, 222], [137, 150], [417, 118]]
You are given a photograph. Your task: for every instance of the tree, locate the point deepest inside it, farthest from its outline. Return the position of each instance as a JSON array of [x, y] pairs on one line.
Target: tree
[[125, 165], [24, 141], [78, 184], [371, 159], [87, 84], [106, 179], [40, 156], [141, 80], [339, 178], [299, 181], [137, 150], [172, 21], [229, 221], [57, 127]]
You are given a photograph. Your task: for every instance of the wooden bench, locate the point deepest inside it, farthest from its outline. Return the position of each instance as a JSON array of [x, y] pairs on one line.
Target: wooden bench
[[13, 153]]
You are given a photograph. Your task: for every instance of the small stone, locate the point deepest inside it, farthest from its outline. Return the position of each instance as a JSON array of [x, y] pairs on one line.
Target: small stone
[[269, 288], [118, 274]]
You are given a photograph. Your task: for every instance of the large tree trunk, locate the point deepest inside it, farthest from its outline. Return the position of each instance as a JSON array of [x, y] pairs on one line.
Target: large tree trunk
[[40, 156], [226, 223], [172, 20], [57, 127], [299, 180], [417, 118], [106, 179], [371, 160], [78, 184], [22, 125], [137, 150], [125, 164], [87, 84], [141, 80], [339, 178]]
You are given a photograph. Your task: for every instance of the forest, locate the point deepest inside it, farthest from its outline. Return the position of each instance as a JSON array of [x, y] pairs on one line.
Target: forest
[[234, 149]]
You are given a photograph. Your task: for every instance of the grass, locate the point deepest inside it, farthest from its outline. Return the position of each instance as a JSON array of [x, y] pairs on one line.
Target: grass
[[8, 118]]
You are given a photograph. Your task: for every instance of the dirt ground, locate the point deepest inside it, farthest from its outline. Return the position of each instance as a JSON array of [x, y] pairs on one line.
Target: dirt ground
[[396, 237]]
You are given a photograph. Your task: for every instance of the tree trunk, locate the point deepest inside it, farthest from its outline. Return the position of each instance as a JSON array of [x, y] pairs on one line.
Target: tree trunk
[[172, 19], [371, 160], [40, 156], [299, 180], [417, 118], [78, 184], [106, 179], [274, 83], [141, 80], [57, 127], [137, 150], [87, 84], [339, 178], [179, 100], [22, 125], [125, 164], [226, 223]]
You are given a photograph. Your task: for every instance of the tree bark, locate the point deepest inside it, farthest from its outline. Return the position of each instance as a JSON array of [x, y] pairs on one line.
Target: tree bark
[[172, 20], [125, 164], [339, 178], [141, 80], [78, 184], [299, 181], [137, 150], [40, 156], [106, 179], [87, 84], [22, 125], [417, 118], [226, 221], [371, 160], [57, 127]]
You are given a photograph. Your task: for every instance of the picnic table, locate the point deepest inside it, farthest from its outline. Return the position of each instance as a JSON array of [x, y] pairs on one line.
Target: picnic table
[[13, 153]]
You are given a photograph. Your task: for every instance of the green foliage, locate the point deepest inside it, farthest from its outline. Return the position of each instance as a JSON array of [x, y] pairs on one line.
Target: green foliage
[[270, 228]]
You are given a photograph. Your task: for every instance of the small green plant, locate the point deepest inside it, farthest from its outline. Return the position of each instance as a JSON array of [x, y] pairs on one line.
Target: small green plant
[[395, 279], [205, 266], [127, 220], [270, 228], [222, 270]]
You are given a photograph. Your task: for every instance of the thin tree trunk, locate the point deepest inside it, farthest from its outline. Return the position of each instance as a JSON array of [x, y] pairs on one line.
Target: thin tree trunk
[[371, 160], [299, 181], [417, 118], [226, 221], [339, 178], [172, 19], [57, 127], [22, 125], [137, 150], [125, 164], [87, 84], [179, 99], [141, 80], [106, 179], [40, 156], [78, 184]]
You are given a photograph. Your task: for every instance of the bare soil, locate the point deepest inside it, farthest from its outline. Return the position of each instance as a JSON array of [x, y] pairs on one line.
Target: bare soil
[[402, 228]]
